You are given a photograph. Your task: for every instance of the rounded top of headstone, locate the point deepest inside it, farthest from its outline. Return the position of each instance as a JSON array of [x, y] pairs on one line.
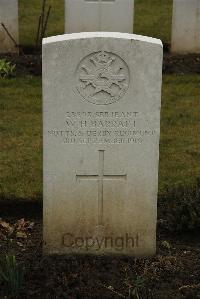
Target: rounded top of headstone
[[88, 35]]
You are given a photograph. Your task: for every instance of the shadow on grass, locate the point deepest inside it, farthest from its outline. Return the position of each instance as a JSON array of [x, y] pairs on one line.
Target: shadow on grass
[[178, 208], [17, 207]]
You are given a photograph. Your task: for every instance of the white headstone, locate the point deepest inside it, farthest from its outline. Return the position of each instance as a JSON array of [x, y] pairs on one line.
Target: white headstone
[[9, 17], [186, 26], [99, 15], [101, 112]]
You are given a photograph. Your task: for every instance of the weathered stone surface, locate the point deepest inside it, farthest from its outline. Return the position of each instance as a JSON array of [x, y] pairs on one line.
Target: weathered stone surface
[[101, 111], [9, 17], [99, 15], [186, 26]]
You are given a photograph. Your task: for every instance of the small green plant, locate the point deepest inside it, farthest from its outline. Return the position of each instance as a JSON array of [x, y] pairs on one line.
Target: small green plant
[[6, 68], [135, 286], [12, 274], [166, 245]]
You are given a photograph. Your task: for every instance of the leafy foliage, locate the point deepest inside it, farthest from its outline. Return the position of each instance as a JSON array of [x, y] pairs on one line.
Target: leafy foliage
[[6, 68]]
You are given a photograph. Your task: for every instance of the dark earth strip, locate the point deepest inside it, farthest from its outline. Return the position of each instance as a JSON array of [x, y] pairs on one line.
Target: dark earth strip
[[172, 64], [173, 273]]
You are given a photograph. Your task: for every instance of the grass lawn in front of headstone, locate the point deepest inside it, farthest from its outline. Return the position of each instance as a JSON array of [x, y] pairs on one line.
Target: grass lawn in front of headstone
[[21, 148], [21, 127], [179, 143], [152, 18]]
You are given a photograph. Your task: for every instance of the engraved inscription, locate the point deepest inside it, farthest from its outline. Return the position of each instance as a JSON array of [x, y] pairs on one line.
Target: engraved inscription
[[100, 178], [102, 127], [102, 78]]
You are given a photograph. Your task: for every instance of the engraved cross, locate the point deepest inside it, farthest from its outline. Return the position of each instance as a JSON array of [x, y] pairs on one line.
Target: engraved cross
[[100, 178]]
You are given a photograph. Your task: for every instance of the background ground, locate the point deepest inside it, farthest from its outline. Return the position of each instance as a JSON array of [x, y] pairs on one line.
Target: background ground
[[152, 18], [174, 272], [21, 102]]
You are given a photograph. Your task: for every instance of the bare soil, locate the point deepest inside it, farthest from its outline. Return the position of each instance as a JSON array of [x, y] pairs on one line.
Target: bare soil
[[31, 63], [173, 273]]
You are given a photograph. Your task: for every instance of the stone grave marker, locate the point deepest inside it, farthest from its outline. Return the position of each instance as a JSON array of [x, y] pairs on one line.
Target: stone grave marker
[[101, 113], [99, 15], [9, 17], [186, 26]]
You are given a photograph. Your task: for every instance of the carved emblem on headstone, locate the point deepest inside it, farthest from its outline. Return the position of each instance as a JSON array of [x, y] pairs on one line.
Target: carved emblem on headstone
[[102, 78]]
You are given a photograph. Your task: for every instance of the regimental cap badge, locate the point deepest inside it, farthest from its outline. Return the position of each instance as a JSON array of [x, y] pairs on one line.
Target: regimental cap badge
[[102, 78]]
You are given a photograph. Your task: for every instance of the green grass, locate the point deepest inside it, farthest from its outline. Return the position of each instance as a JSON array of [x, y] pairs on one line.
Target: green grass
[[21, 127], [152, 18], [21, 175], [180, 125], [29, 12]]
